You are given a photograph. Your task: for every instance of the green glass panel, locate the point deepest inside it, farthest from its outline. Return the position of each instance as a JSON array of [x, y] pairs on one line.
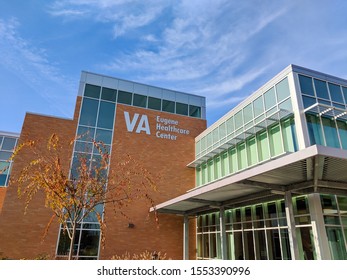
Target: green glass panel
[[217, 168], [242, 156], [215, 136], [329, 205], [286, 105], [314, 130], [89, 112], [282, 90], [321, 89], [168, 106], [252, 151], [181, 109], [330, 132], [275, 140], [198, 176], [140, 100], [203, 144], [194, 111], [225, 166], [247, 113], [306, 243], [210, 170], [222, 131], [286, 253], [230, 125], [154, 103], [258, 106], [124, 97], [335, 93], [336, 243], [289, 139], [270, 98], [342, 201], [233, 165], [92, 91], [238, 120], [342, 127], [306, 85], [263, 146], [204, 174], [109, 94]]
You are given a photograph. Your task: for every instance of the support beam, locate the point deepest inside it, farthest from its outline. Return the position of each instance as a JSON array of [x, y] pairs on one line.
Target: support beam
[[223, 234], [294, 249], [186, 238]]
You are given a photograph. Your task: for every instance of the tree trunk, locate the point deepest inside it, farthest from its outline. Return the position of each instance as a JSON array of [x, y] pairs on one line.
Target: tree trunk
[[72, 241]]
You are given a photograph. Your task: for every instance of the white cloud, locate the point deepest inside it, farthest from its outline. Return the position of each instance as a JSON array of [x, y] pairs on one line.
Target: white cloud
[[31, 65]]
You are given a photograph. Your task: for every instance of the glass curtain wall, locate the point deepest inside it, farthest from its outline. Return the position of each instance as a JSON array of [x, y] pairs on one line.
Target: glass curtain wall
[[256, 232], [7, 145], [277, 139]]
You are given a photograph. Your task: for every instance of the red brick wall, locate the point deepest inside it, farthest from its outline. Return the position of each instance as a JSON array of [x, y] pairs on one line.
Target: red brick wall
[[166, 158], [21, 235], [2, 196]]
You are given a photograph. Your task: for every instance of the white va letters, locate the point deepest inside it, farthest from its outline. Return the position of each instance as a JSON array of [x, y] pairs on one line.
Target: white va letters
[[142, 124]]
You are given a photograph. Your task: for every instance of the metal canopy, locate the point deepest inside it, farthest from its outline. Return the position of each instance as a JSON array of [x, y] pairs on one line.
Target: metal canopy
[[314, 169]]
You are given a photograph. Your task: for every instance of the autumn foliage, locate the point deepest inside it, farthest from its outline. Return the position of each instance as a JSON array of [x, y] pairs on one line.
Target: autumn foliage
[[72, 196]]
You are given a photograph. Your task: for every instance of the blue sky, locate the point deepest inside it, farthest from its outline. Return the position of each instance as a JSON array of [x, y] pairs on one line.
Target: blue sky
[[222, 49]]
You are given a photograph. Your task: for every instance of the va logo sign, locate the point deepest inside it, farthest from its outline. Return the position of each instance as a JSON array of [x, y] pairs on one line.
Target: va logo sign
[[141, 123]]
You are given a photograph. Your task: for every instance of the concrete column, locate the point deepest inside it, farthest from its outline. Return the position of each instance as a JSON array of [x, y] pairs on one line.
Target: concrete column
[[318, 227], [294, 249], [186, 238], [223, 238]]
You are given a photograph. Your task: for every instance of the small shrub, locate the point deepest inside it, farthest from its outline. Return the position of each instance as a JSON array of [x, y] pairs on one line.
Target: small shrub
[[146, 255]]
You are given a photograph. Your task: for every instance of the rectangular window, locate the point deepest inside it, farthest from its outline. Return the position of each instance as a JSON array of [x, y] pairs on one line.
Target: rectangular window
[[263, 146], [233, 165], [238, 120], [168, 106], [154, 103], [106, 115], [342, 127], [335, 93], [252, 151], [306, 85], [314, 130], [269, 98], [182, 109], [9, 144], [321, 89], [330, 132], [109, 94], [247, 113], [275, 140], [289, 138], [194, 111], [258, 106], [140, 100], [282, 90], [242, 156], [89, 112], [124, 97], [92, 91]]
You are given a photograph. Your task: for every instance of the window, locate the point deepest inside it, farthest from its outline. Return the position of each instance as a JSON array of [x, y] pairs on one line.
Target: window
[[182, 109], [154, 103], [89, 112], [9, 144], [168, 106], [335, 93], [321, 89], [92, 91], [140, 100], [282, 90], [306, 85], [109, 94], [194, 111], [106, 115], [124, 97], [270, 99]]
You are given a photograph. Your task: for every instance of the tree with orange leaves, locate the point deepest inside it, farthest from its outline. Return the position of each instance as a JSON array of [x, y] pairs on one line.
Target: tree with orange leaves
[[72, 196]]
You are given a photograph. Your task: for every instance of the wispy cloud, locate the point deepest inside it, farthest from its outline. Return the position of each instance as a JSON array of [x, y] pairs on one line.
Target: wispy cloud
[[31, 65]]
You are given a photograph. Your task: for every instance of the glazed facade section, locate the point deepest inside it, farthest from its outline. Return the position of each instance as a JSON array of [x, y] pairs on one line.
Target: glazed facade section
[[259, 130], [263, 129], [8, 142], [101, 98]]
